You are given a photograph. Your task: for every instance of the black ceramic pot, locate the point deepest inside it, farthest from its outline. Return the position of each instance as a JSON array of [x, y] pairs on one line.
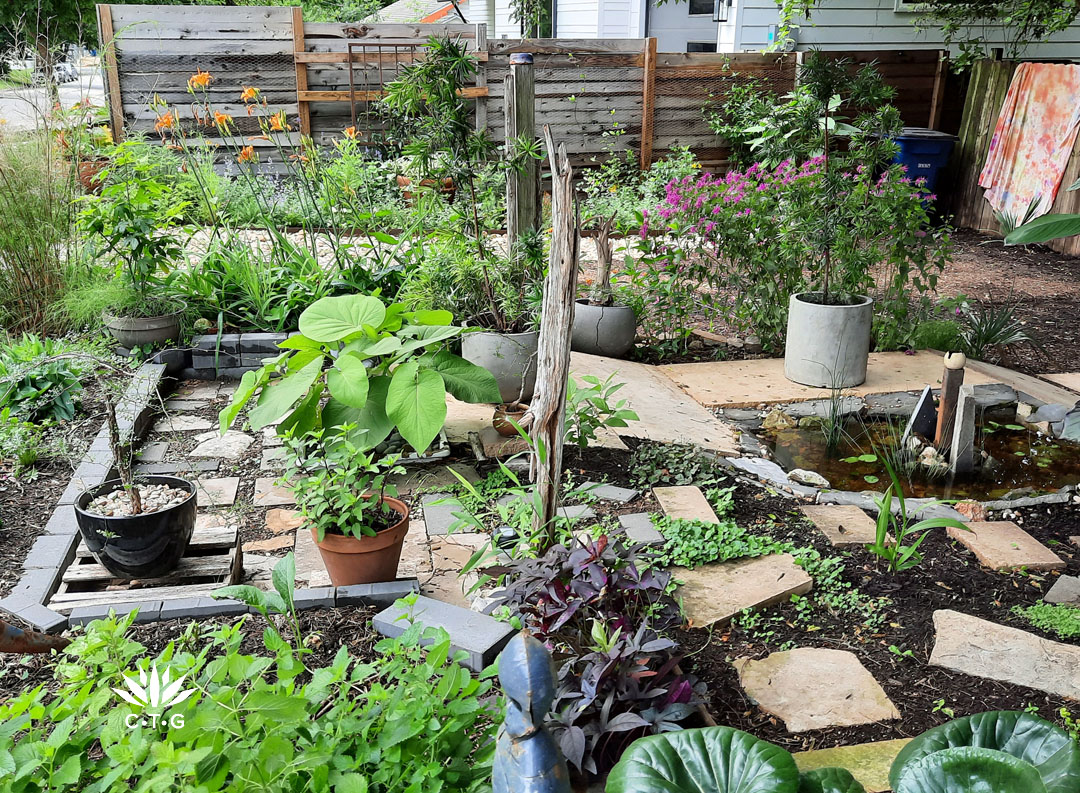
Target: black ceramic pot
[[138, 546]]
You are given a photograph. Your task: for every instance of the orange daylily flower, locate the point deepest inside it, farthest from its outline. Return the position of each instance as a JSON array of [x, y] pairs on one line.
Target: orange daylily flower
[[200, 79], [350, 133], [249, 94], [277, 122], [222, 120], [165, 121], [247, 154]]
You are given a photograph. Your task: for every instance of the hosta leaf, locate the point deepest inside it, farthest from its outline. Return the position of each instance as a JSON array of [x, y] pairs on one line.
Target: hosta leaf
[[829, 780], [331, 319], [416, 403]]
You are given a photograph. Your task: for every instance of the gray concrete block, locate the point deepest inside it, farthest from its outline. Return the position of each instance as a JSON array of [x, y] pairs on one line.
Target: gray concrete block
[[481, 637], [438, 518], [215, 607], [13, 604], [43, 619], [314, 598], [51, 550], [184, 466], [149, 611], [265, 343], [230, 373], [576, 512], [228, 342], [63, 521], [611, 492], [255, 359], [380, 595], [214, 362], [86, 476], [38, 583], [639, 528]]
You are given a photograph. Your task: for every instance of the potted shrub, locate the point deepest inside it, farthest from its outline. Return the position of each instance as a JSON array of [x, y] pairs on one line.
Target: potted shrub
[[136, 529], [353, 514], [131, 220]]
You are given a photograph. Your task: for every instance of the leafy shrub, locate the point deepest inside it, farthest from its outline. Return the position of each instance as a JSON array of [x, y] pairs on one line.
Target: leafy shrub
[[602, 609], [936, 334], [1061, 620], [20, 441], [406, 721], [671, 464], [34, 390], [987, 328], [590, 406]]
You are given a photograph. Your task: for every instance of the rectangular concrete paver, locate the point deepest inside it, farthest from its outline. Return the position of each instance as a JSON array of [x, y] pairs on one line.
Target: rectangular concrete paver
[[1002, 545], [217, 492], [269, 494], [845, 526], [1069, 380], [813, 688], [714, 593], [685, 502], [639, 528], [869, 763], [981, 648]]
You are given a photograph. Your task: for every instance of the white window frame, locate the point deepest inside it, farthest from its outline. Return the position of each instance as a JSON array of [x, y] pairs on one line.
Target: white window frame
[[709, 15], [910, 7]]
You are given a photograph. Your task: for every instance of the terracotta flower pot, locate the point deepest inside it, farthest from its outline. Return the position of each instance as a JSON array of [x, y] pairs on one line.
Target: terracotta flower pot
[[365, 560], [503, 415], [446, 187], [89, 170]]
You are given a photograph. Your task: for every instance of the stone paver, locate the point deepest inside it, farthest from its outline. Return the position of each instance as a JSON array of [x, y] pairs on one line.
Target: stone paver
[[449, 554], [844, 526], [182, 423], [686, 502], [282, 521], [439, 517], [185, 404], [309, 564], [271, 438], [152, 452], [869, 763], [1075, 540], [217, 492], [577, 512], [1002, 545], [273, 459], [230, 446], [496, 445], [433, 477], [985, 649], [270, 494], [812, 688], [639, 528], [714, 593], [622, 495], [271, 544], [198, 390], [415, 551], [1071, 380], [1066, 591]]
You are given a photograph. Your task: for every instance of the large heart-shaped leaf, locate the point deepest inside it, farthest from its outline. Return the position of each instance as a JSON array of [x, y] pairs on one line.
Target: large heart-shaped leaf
[[276, 398], [1023, 735], [371, 420], [464, 379], [305, 416], [709, 760], [969, 769], [830, 780], [331, 319], [425, 335], [348, 380], [416, 403]]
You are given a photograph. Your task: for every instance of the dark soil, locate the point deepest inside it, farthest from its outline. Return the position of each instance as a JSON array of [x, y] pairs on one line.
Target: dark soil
[[325, 630], [949, 578]]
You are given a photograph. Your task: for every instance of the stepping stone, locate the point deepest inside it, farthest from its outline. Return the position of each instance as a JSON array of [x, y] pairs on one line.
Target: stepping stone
[[714, 593], [480, 636], [1002, 545], [198, 390], [178, 468], [213, 520], [622, 495], [216, 492], [844, 526], [182, 424], [440, 517], [812, 688], [606, 438], [185, 404], [415, 551], [152, 452], [1066, 590], [639, 528], [869, 763], [433, 478], [686, 502], [281, 521], [269, 494], [309, 564], [271, 438], [576, 512], [273, 459], [230, 446], [449, 555], [981, 648], [463, 418], [271, 544]]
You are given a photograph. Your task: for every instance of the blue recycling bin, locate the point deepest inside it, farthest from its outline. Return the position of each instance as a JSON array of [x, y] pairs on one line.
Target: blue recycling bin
[[925, 152]]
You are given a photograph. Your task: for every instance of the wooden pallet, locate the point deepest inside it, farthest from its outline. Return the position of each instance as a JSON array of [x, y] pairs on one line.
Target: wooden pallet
[[212, 560]]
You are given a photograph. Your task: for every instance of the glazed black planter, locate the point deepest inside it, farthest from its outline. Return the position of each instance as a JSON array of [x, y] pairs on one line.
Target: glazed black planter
[[138, 546]]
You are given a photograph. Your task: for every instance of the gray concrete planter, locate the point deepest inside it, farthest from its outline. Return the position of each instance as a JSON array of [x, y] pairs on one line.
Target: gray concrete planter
[[603, 330], [510, 357], [133, 332], [828, 346]]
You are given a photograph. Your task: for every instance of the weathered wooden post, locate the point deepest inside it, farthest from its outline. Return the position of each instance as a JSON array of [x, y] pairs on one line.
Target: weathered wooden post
[[527, 759], [547, 411], [523, 179], [951, 381]]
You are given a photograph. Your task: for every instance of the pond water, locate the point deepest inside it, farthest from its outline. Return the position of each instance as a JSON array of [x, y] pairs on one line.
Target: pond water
[[1017, 458]]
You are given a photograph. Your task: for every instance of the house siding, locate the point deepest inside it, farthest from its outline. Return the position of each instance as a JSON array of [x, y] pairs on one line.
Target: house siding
[[673, 26]]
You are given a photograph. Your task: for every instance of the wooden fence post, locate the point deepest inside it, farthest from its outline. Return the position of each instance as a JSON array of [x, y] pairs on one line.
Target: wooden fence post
[[302, 106], [112, 76], [480, 109], [648, 102], [938, 97], [547, 412], [522, 184]]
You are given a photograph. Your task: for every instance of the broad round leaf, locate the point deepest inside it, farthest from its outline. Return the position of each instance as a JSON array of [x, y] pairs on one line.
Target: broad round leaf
[[305, 416], [709, 760], [373, 425], [464, 379], [416, 403], [276, 398], [348, 380], [331, 319], [1023, 735], [969, 769], [830, 780]]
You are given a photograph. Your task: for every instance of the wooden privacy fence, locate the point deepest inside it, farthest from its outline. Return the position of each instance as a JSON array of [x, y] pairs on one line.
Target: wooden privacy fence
[[597, 95]]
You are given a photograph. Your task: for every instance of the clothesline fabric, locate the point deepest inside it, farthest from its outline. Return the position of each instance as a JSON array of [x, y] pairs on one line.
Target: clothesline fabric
[[1034, 138]]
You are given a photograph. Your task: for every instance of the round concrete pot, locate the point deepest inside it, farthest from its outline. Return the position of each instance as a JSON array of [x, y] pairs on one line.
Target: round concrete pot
[[603, 330], [365, 560], [133, 332], [510, 357], [828, 345]]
